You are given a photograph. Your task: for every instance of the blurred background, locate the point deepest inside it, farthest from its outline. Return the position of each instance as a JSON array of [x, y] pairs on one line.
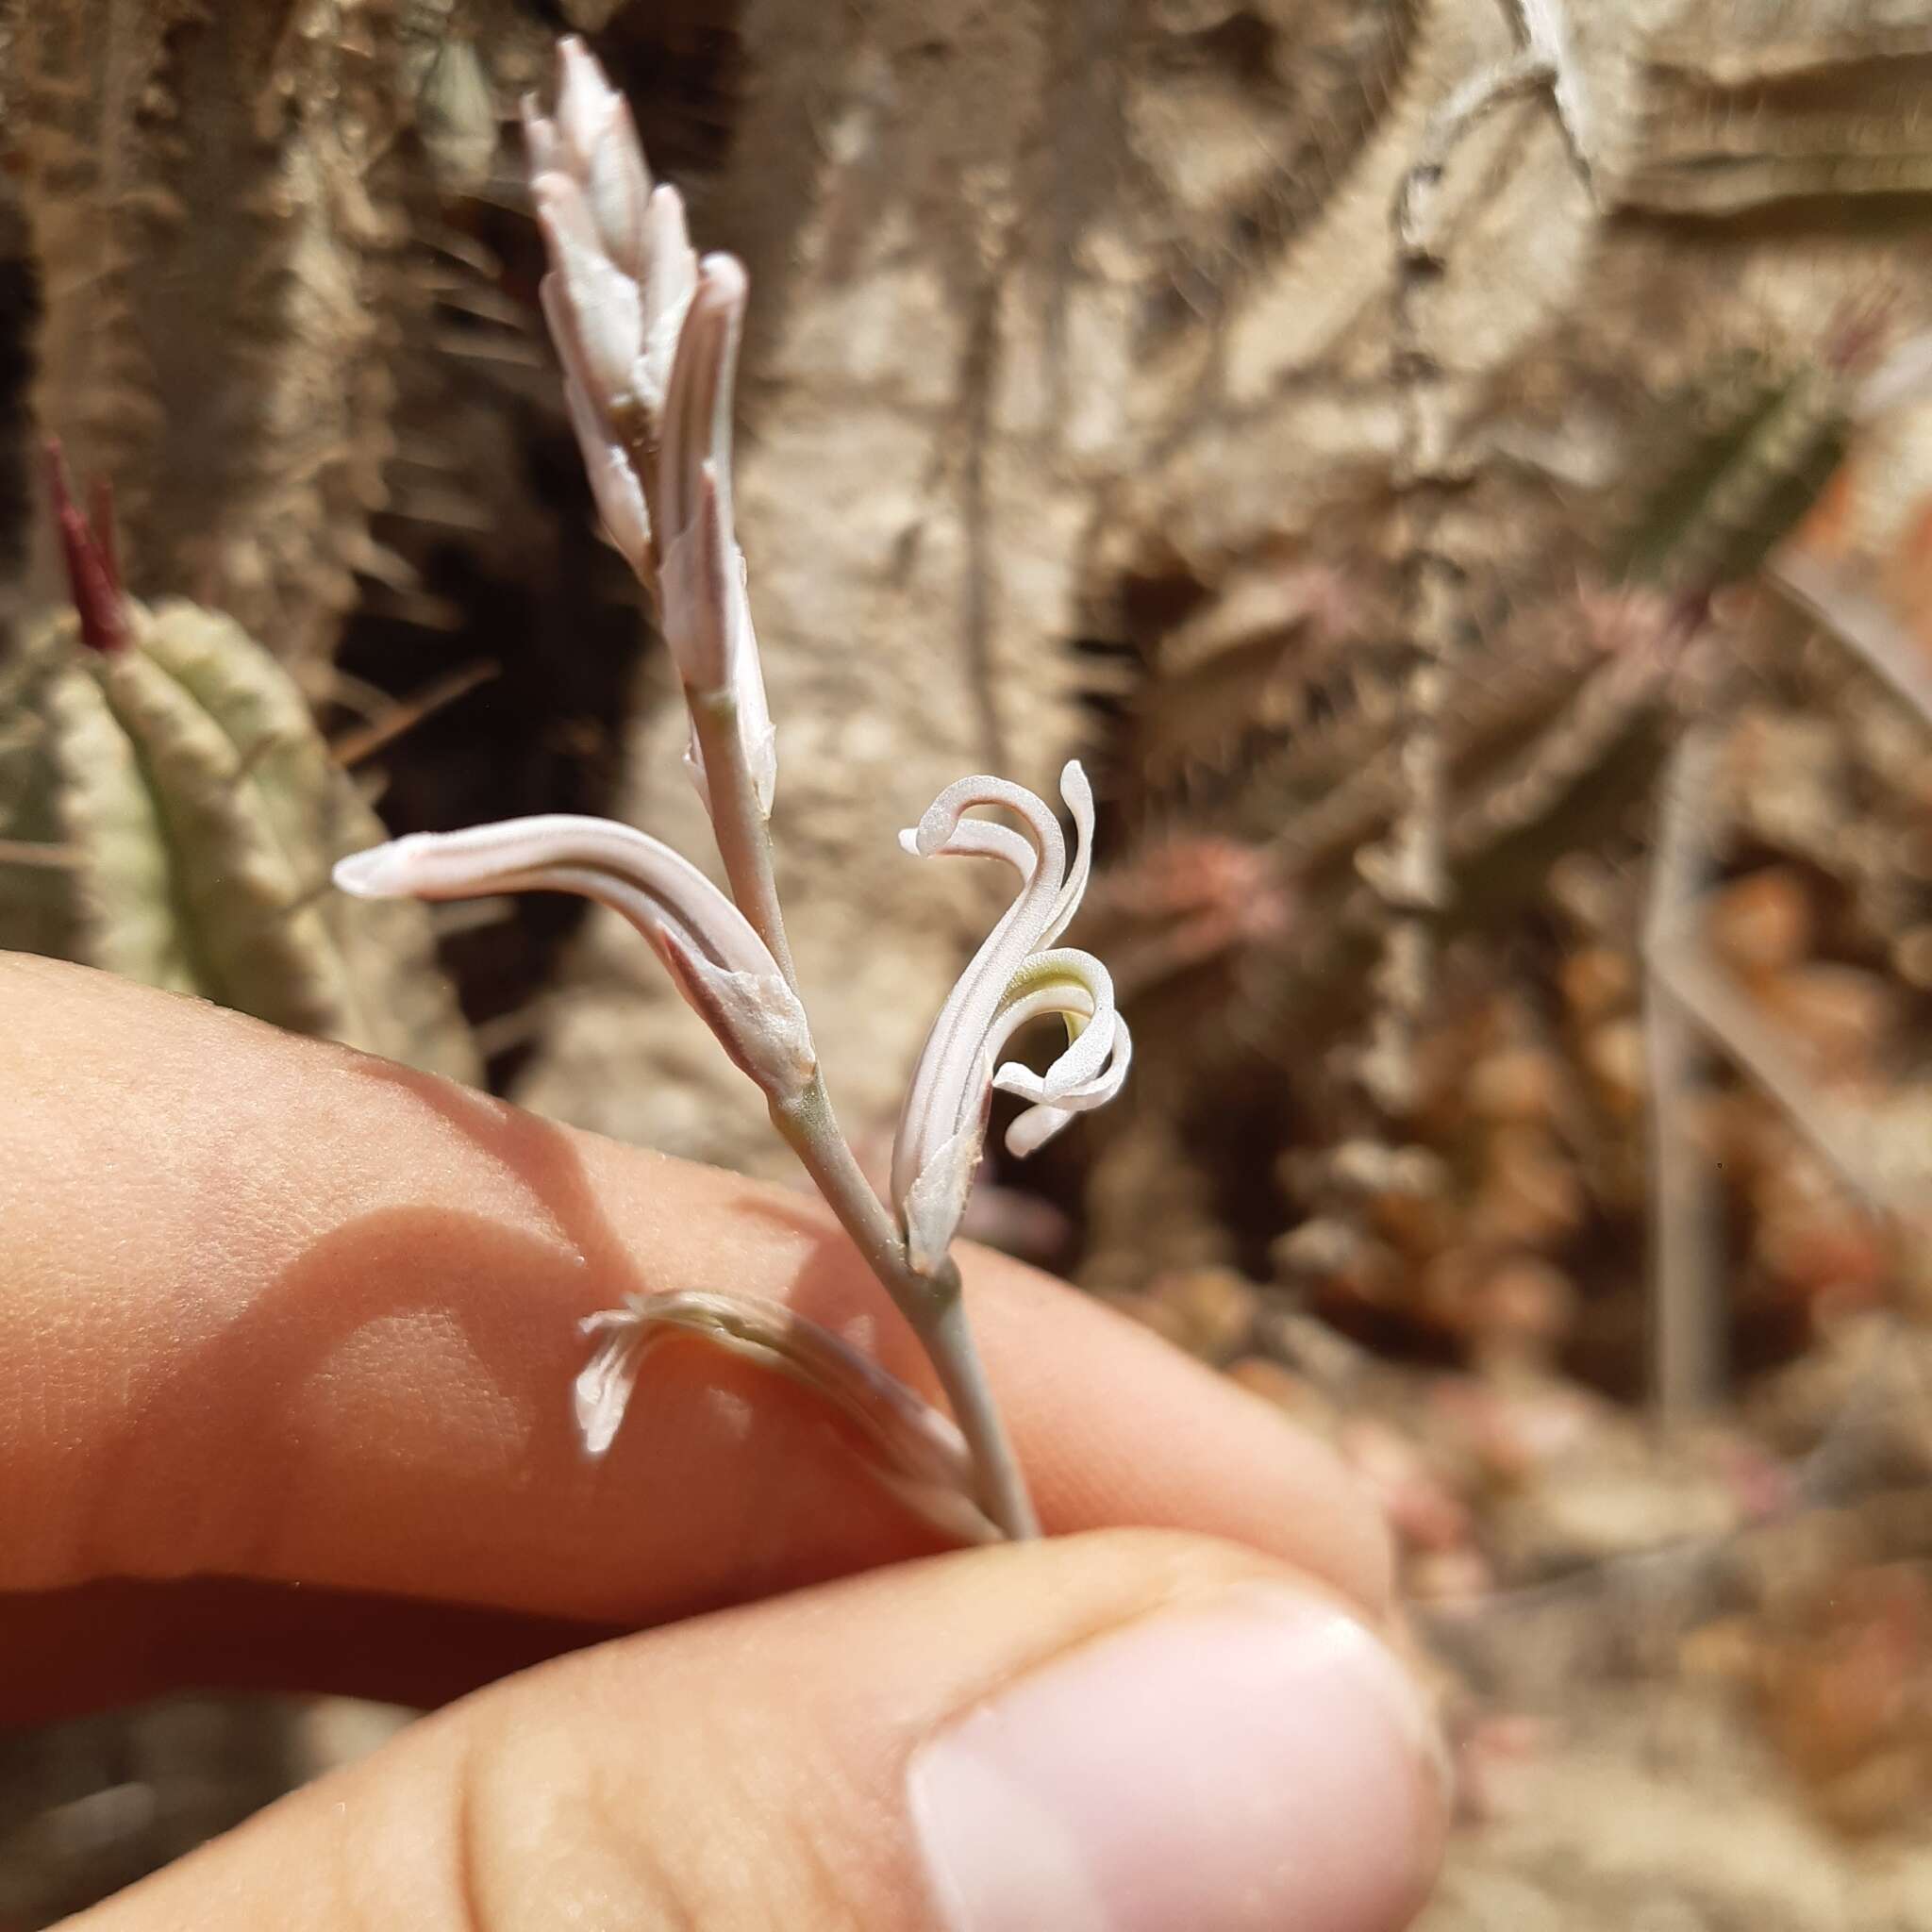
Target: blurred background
[[1459, 474]]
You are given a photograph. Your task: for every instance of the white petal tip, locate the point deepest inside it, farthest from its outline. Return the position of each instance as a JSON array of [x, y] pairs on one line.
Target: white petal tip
[[378, 873], [599, 1400], [1030, 1131], [721, 282], [576, 63], [908, 842]]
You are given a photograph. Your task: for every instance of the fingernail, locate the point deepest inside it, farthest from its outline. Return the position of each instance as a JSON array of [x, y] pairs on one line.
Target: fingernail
[[1259, 1762]]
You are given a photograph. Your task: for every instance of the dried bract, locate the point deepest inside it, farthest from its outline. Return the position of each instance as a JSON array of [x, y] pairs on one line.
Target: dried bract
[[915, 1452]]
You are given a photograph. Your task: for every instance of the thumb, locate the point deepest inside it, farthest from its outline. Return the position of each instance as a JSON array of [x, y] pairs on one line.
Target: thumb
[[1122, 1732]]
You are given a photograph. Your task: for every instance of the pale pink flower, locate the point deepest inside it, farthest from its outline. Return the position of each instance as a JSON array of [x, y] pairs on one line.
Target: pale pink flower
[[719, 963], [1018, 975]]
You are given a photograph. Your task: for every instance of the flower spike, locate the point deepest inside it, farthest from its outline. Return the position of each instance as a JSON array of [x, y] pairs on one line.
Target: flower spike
[[648, 337]]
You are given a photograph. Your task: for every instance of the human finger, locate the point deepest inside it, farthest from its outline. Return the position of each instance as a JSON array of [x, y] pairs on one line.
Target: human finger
[[278, 1310], [1124, 1732]]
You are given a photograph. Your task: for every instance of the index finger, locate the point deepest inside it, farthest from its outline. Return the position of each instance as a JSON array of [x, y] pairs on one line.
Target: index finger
[[276, 1310]]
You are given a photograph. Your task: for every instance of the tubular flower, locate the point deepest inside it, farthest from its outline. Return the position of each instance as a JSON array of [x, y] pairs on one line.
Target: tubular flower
[[1018, 975], [915, 1452], [719, 963], [622, 275]]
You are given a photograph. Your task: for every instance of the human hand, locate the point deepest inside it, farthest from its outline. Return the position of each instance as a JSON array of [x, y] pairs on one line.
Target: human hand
[[287, 1338]]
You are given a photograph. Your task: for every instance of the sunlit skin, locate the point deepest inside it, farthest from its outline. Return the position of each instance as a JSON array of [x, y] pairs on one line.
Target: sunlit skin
[[286, 1352]]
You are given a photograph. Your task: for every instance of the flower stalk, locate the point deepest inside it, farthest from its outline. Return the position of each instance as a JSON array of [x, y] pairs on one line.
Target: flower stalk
[[738, 824], [933, 1304], [648, 335]]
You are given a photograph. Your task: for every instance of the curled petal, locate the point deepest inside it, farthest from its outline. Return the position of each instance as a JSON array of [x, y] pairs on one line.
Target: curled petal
[[1074, 985], [1065, 984], [1016, 978], [1093, 1067], [718, 962], [913, 1449], [945, 830], [951, 1063], [1032, 1129], [1079, 797], [979, 839]]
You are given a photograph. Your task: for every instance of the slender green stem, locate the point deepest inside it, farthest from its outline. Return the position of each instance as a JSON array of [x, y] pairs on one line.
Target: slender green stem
[[933, 1305], [948, 1338], [738, 820]]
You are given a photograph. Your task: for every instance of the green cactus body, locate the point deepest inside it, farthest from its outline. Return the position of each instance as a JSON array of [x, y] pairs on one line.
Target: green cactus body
[[200, 812], [1749, 480]]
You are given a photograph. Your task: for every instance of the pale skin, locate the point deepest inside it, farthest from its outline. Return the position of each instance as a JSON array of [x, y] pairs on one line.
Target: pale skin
[[277, 1314]]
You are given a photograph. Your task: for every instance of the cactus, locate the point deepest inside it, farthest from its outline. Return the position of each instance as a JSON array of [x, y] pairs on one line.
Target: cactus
[[208, 197], [171, 813], [1765, 443]]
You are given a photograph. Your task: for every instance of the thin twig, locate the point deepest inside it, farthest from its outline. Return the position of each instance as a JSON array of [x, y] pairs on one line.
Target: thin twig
[[1687, 1286], [934, 1305], [1859, 621], [407, 714], [38, 856], [1835, 1134]]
